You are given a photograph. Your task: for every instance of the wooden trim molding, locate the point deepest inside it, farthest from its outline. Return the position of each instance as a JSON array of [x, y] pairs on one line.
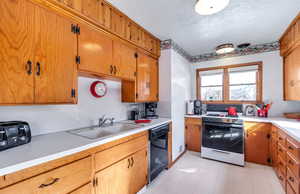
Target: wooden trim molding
[[226, 95]]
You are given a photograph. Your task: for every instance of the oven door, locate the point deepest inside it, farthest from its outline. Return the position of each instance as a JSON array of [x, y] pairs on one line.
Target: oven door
[[223, 136]]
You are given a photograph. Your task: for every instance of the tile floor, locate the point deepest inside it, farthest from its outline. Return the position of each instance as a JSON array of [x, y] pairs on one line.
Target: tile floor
[[194, 175]]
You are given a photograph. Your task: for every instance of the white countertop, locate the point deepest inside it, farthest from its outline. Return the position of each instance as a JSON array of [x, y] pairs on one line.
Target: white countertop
[[290, 126], [45, 148]]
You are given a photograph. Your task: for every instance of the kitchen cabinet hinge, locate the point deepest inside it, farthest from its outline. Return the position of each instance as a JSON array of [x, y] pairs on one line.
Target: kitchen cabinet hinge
[[77, 30], [268, 136], [77, 59], [136, 95], [136, 55], [73, 93], [269, 160]]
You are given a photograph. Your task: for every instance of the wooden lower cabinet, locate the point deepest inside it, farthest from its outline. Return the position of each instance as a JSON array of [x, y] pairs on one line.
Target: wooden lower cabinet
[[127, 176], [193, 134], [125, 172], [257, 142], [85, 189]]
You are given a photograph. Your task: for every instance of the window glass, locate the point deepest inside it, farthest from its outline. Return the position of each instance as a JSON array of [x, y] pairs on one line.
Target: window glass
[[243, 92], [244, 77], [211, 93], [212, 80]]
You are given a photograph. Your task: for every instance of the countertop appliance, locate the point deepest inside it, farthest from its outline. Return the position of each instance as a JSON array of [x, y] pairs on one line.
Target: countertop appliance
[[232, 111], [158, 150], [190, 107], [150, 110], [197, 107], [135, 114], [223, 140], [14, 133]]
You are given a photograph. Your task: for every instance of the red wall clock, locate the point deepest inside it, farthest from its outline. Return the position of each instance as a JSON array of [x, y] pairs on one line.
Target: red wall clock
[[98, 89]]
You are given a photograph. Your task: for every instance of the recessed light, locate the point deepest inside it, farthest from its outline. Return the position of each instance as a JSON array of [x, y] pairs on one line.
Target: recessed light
[[225, 48], [209, 7]]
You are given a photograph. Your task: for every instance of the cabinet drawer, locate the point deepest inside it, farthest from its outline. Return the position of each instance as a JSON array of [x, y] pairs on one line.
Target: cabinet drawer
[[282, 179], [292, 148], [293, 164], [292, 180], [289, 189], [59, 181], [281, 165], [281, 152], [112, 155], [281, 138], [86, 189], [193, 121]]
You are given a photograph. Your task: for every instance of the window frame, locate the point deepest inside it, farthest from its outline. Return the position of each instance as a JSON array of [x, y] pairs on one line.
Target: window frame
[[226, 85]]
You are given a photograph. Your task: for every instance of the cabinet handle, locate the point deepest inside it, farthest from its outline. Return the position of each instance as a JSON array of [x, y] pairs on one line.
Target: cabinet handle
[[291, 162], [129, 163], [132, 161], [51, 183], [115, 70], [29, 67], [38, 72], [291, 179], [290, 147], [111, 69]]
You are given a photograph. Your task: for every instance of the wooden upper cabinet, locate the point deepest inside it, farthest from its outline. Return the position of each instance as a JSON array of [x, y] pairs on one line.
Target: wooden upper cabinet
[[75, 4], [257, 142], [292, 75], [124, 58], [105, 14], [55, 51], [16, 52], [118, 23], [90, 8], [147, 79], [95, 51]]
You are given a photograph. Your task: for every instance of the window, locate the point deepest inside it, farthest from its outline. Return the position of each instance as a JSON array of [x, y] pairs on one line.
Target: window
[[235, 83], [211, 85]]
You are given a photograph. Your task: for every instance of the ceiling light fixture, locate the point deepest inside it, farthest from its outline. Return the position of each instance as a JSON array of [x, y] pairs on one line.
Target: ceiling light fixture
[[224, 49], [209, 7]]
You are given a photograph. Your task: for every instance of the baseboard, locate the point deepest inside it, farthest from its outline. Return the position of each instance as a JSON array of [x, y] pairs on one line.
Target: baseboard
[[170, 165]]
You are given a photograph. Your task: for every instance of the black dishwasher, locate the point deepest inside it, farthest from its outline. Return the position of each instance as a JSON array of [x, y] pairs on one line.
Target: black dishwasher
[[158, 150]]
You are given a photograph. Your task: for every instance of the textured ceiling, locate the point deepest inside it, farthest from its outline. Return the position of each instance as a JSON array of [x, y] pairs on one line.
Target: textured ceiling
[[253, 21]]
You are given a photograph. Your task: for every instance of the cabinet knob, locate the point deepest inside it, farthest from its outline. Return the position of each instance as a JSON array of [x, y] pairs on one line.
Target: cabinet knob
[[38, 66]]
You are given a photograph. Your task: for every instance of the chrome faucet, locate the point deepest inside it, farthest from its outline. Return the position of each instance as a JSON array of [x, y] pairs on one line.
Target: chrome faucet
[[103, 120]]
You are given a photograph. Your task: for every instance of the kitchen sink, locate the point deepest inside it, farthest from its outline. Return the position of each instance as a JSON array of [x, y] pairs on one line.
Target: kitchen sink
[[96, 132]]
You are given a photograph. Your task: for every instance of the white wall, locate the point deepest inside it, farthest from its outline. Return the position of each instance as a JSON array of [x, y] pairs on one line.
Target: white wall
[[175, 89], [272, 78], [52, 118]]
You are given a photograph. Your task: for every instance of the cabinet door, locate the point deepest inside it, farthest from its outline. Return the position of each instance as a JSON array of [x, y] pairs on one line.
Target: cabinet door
[[139, 171], [16, 52], [118, 23], [115, 179], [55, 51], [292, 75], [257, 142], [75, 4], [153, 80], [104, 14], [124, 58], [193, 137], [95, 51], [90, 8], [147, 79]]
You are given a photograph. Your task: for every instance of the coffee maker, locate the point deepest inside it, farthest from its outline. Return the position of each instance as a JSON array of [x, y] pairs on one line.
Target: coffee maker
[[197, 107], [150, 110]]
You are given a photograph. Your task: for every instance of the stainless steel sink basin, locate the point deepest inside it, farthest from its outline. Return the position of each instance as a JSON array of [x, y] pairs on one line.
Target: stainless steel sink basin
[[96, 132]]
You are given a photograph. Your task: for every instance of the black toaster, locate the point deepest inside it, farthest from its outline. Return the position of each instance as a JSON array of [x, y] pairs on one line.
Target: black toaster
[[14, 133]]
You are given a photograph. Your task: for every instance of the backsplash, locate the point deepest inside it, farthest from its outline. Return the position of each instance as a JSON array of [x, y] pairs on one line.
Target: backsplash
[[52, 118]]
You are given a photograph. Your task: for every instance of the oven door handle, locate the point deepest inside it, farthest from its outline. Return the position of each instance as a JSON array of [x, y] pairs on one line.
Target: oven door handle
[[222, 152], [224, 125]]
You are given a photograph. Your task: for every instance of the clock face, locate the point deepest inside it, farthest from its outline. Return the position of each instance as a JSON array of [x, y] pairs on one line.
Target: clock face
[[98, 89]]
